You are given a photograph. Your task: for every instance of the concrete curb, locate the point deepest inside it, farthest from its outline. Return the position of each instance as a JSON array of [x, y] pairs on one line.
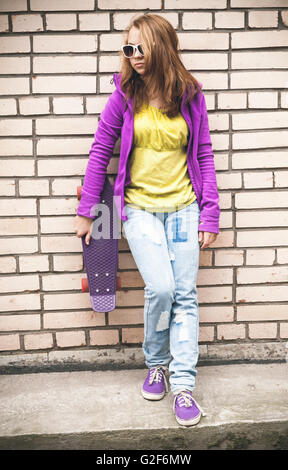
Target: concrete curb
[[246, 407]]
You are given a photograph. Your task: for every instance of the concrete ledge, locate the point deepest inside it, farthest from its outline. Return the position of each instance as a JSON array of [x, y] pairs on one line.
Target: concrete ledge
[[128, 357], [246, 408]]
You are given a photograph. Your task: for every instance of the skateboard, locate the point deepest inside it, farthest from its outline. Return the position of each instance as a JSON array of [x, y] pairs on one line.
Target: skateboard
[[101, 260]]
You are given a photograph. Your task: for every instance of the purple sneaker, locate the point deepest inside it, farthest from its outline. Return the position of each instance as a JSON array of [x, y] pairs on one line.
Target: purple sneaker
[[155, 385], [186, 409]]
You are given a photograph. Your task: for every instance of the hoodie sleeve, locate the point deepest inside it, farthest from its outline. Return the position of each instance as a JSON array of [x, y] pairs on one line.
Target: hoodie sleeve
[[209, 210], [101, 151]]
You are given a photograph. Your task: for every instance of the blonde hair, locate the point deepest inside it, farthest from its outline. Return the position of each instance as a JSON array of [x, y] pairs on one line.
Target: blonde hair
[[165, 74]]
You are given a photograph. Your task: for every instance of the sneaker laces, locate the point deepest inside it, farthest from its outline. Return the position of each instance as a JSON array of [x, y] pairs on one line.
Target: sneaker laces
[[156, 374], [184, 398]]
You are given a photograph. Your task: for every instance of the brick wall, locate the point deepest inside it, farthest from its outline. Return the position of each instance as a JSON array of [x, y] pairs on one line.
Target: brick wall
[[57, 60]]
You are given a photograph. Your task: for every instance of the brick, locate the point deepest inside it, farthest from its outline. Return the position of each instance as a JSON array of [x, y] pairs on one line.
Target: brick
[[8, 106], [254, 60], [258, 120], [260, 257], [7, 264], [213, 4], [229, 19], [262, 330], [62, 22], [58, 206], [15, 127], [199, 61], [19, 283], [214, 276], [9, 342], [229, 257], [197, 20], [254, 39], [111, 42], [126, 316], [109, 63], [14, 65], [35, 187], [256, 79], [19, 226], [103, 337], [284, 100], [191, 41], [64, 224], [263, 293], [132, 335], [33, 263], [66, 301], [262, 238], [65, 186], [216, 314], [229, 331], [282, 255], [281, 178], [68, 263], [34, 105], [130, 298], [232, 100], [245, 140], [126, 5], [206, 333], [261, 218], [20, 322], [284, 331], [18, 206], [94, 21], [67, 126], [67, 167], [70, 338], [284, 16], [263, 160], [61, 5], [63, 43], [28, 302], [262, 312], [14, 44], [257, 3], [67, 84], [229, 180], [265, 99], [261, 199], [263, 19], [7, 187], [26, 23], [72, 105], [17, 167], [262, 275], [38, 341], [214, 294], [96, 104], [80, 319], [19, 245], [14, 86], [62, 281], [61, 244], [65, 64], [11, 147], [13, 5], [258, 180], [4, 25]]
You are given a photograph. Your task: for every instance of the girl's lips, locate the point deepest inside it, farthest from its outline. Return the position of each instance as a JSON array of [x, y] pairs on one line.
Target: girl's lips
[[138, 65]]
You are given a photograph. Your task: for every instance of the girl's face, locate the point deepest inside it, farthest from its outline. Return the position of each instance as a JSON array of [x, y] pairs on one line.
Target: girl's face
[[137, 61]]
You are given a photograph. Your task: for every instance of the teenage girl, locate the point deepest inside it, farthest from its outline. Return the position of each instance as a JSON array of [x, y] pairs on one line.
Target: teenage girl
[[169, 204]]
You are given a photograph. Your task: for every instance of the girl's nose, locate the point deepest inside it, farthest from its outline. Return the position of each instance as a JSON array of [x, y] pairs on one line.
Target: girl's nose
[[137, 53]]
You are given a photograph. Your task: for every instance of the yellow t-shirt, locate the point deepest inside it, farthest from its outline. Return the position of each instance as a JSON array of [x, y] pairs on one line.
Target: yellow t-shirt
[[158, 162]]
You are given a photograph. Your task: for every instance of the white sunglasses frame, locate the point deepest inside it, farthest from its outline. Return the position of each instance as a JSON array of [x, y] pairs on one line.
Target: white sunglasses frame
[[135, 47]]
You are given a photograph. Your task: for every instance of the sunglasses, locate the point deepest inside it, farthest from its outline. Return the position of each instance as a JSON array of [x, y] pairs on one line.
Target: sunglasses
[[129, 50]]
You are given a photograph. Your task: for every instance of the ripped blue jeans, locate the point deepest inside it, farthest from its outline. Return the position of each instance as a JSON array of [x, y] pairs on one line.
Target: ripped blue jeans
[[165, 248]]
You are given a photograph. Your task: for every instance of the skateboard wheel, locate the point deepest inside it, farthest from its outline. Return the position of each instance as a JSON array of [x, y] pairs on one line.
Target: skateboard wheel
[[79, 189], [84, 285], [118, 283]]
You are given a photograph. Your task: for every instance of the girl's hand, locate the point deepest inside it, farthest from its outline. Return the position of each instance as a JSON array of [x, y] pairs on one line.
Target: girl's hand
[[206, 238], [83, 225]]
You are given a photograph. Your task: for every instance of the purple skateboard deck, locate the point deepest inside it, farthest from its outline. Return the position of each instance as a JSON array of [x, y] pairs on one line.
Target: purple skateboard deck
[[101, 255]]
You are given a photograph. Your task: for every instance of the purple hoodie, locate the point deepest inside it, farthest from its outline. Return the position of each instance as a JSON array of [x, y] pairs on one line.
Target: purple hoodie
[[118, 119]]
